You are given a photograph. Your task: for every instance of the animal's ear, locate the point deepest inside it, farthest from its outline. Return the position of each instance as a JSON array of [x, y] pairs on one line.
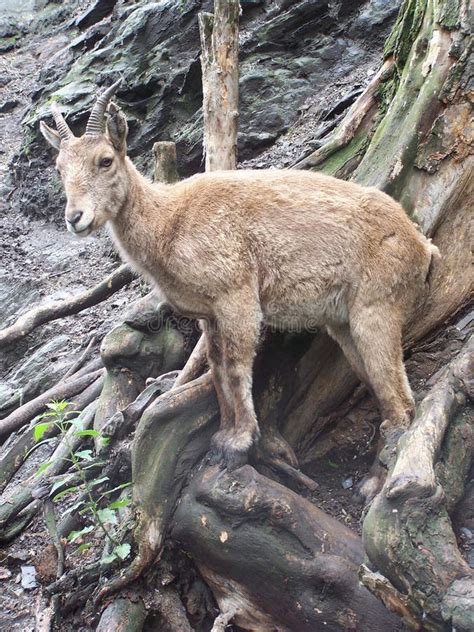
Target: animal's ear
[[117, 128], [51, 135]]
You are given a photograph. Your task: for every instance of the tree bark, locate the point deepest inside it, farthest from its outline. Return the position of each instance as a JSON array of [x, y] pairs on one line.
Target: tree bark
[[220, 69], [407, 531], [166, 166]]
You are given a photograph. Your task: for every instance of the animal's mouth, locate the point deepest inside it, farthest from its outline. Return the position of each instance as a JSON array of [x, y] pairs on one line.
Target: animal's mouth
[[80, 232]]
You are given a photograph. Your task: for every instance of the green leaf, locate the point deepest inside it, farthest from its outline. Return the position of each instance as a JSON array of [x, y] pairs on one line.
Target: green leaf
[[65, 492], [42, 467], [116, 489], [119, 503], [87, 433], [58, 406], [98, 481], [105, 441], [74, 507], [40, 429], [77, 534], [108, 559], [122, 550], [84, 546], [107, 515], [85, 455]]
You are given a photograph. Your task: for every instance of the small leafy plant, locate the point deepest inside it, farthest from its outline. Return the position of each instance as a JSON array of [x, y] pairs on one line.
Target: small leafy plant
[[102, 516]]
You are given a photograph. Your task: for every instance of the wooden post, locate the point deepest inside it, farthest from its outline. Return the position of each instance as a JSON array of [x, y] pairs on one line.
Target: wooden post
[[166, 169], [220, 82]]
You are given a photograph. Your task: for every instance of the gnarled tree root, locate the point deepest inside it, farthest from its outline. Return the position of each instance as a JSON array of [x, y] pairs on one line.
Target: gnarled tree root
[[414, 471], [272, 559], [408, 535], [173, 435], [63, 390], [124, 615]]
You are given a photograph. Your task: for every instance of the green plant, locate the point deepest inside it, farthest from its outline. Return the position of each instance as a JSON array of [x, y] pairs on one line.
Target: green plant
[[87, 502]]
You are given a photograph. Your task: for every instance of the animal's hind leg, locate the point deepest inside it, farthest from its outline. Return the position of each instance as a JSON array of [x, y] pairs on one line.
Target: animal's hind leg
[[238, 321], [342, 335], [377, 336]]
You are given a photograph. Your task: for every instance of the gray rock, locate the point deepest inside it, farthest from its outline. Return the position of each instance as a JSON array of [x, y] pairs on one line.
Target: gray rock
[[373, 16], [348, 483], [8, 105], [289, 51], [15, 297], [28, 577], [38, 366], [96, 12]]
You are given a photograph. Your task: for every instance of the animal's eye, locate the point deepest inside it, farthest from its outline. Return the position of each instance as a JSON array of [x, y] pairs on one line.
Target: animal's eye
[[105, 162]]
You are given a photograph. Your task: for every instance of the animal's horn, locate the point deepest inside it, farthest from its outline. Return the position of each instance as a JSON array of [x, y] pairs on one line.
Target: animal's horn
[[96, 122], [61, 125]]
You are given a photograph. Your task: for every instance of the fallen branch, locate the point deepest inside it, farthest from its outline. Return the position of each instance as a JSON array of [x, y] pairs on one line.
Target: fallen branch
[[59, 309], [81, 360], [37, 487], [63, 390], [15, 454]]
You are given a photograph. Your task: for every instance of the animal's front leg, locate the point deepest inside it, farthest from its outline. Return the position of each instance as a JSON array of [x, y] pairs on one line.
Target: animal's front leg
[[215, 357], [238, 322]]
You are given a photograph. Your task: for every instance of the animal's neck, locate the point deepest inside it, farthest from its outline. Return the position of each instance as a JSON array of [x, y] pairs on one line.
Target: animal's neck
[[141, 220]]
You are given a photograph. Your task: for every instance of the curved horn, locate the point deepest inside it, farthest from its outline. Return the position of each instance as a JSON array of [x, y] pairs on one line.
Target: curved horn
[[96, 123], [61, 125]]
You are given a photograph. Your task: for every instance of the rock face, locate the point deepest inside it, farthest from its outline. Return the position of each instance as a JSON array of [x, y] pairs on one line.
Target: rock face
[[290, 51]]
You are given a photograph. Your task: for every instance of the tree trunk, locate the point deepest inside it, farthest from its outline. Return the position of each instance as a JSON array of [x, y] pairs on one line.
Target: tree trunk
[[220, 68]]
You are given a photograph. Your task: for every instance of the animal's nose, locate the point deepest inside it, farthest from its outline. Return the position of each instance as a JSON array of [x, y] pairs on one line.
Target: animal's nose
[[75, 217]]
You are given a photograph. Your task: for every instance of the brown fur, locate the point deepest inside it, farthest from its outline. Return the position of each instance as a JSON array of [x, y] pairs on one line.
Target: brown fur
[[245, 248]]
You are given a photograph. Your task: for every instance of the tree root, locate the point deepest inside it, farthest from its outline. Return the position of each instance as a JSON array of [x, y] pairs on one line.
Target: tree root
[[124, 615], [62, 390], [351, 122], [81, 360], [52, 311], [408, 535], [414, 471], [195, 364], [18, 449], [124, 421], [38, 486], [253, 539], [173, 435]]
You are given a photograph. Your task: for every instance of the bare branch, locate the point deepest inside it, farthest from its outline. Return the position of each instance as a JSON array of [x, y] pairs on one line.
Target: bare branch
[[52, 311]]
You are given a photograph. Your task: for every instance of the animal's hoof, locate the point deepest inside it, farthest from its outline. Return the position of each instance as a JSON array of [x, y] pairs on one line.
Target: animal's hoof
[[233, 459], [226, 456], [391, 434], [370, 486]]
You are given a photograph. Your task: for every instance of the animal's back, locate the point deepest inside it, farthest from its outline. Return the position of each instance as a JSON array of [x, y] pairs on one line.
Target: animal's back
[[308, 239]]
